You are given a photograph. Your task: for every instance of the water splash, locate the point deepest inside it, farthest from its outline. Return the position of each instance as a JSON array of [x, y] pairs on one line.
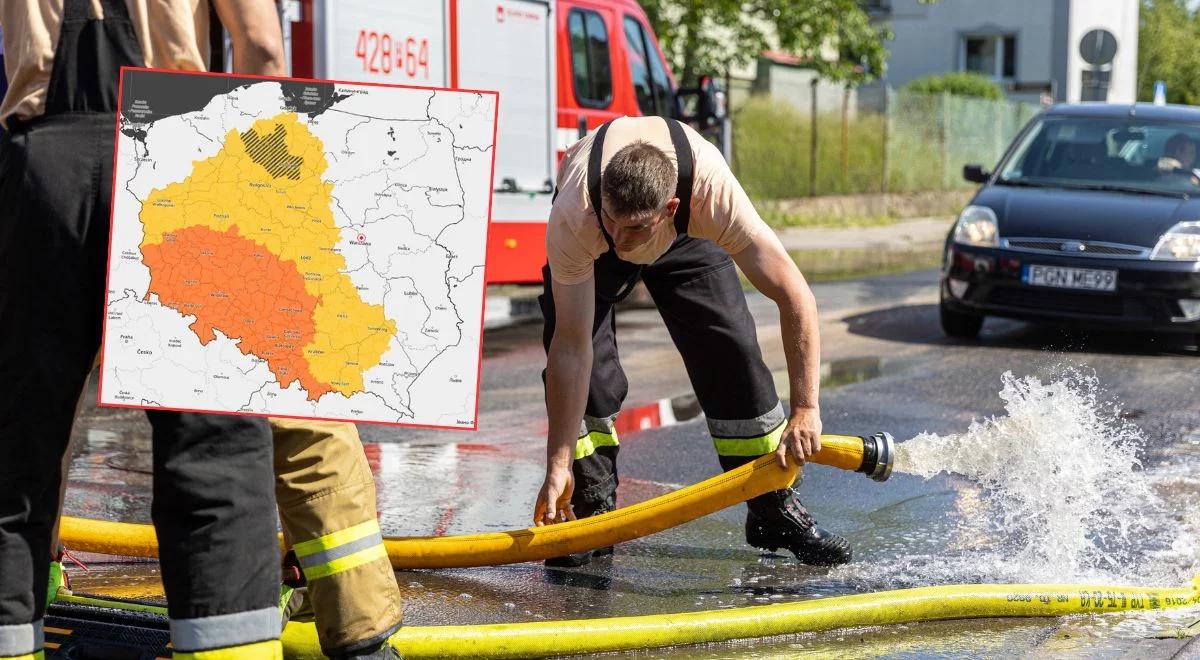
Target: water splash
[[1063, 492]]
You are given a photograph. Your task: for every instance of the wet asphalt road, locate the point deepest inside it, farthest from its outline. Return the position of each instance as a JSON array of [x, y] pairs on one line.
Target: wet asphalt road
[[894, 371]]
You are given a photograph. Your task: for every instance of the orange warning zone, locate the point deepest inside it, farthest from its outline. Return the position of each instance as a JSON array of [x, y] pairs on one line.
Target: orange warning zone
[[237, 286]]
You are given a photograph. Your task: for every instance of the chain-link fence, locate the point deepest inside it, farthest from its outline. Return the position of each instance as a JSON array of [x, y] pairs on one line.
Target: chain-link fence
[[919, 142]]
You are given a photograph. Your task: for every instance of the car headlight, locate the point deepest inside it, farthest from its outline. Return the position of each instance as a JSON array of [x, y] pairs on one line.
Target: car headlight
[[1180, 243], [977, 226]]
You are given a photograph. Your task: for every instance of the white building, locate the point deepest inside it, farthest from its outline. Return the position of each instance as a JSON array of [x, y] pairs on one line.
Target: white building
[[1066, 50]]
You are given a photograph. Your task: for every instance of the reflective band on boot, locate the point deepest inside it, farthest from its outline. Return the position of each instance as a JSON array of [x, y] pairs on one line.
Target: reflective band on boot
[[240, 631], [748, 437], [38, 655], [268, 650], [22, 640], [341, 550]]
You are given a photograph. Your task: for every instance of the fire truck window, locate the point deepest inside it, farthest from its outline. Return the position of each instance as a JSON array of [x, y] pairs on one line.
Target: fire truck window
[[663, 96], [591, 69], [639, 69]]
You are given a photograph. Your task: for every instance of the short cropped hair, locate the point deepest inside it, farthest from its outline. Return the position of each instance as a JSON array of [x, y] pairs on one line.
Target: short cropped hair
[[638, 181]]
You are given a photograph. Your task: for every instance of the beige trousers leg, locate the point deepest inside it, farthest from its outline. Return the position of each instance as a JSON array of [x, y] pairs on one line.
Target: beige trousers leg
[[326, 498]]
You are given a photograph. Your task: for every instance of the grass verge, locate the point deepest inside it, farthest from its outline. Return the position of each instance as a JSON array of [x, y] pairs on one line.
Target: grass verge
[[848, 264]]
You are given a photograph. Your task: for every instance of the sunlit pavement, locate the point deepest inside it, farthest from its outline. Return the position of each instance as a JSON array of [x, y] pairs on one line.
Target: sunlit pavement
[[889, 369]]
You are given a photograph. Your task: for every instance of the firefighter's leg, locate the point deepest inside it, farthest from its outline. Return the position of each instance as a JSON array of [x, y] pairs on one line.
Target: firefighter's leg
[[214, 513], [326, 497], [53, 240], [595, 465], [700, 297]]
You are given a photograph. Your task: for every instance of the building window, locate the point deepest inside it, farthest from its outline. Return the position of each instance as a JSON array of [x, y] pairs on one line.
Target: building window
[[994, 56], [590, 65]]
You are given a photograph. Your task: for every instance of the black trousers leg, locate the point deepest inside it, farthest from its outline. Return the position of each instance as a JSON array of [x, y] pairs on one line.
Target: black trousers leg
[[595, 466], [53, 241], [214, 512], [700, 297], [214, 490]]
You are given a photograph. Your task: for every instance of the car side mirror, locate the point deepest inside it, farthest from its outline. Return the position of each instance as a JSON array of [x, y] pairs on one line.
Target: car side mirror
[[703, 105], [976, 173]]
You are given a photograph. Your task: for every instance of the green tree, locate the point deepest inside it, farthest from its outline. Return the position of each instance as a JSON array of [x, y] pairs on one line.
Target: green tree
[[711, 36], [1167, 38]]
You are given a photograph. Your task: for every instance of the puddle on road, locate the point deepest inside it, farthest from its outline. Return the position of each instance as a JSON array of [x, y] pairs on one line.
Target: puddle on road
[[1057, 476]]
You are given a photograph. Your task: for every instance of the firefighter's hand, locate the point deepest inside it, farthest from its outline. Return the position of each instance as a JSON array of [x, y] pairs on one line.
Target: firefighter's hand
[[801, 437], [554, 500]]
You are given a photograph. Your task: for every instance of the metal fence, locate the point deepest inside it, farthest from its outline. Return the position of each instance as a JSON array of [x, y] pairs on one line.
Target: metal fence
[[918, 142]]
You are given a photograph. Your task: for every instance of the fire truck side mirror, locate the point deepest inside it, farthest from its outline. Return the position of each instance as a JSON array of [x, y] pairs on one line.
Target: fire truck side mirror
[[703, 105]]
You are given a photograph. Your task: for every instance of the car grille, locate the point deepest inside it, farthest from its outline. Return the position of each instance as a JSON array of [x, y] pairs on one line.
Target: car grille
[[1059, 301], [1090, 248]]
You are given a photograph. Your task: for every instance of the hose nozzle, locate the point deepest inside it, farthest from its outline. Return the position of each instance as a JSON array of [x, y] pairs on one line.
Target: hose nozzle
[[879, 454], [872, 455]]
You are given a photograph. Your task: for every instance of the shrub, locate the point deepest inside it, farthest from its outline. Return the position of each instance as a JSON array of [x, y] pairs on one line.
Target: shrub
[[958, 84]]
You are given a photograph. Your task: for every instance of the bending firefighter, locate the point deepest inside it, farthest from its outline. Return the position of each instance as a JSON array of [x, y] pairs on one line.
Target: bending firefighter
[[648, 198]]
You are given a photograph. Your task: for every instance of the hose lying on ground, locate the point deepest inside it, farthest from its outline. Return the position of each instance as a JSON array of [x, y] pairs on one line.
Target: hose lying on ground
[[549, 638], [969, 601], [871, 455]]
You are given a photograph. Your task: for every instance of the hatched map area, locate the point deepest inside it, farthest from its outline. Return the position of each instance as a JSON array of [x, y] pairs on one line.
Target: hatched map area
[[298, 248]]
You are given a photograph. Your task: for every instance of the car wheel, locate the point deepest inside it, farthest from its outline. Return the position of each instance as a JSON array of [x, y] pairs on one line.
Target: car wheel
[[959, 324]]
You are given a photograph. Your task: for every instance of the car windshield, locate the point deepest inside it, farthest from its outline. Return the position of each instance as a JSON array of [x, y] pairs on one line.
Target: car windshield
[[1108, 154]]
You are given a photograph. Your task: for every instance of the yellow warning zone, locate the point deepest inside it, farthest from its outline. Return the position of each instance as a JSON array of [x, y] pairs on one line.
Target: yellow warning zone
[[266, 185]]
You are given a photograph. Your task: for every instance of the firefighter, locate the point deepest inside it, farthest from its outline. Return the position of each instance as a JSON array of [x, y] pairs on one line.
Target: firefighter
[[222, 580], [213, 509], [648, 198]]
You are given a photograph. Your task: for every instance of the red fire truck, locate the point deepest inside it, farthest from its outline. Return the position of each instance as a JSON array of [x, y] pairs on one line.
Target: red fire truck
[[562, 67]]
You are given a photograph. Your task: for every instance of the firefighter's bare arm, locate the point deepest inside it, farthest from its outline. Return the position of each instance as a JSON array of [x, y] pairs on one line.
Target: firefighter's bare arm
[[257, 38], [568, 370], [772, 271]]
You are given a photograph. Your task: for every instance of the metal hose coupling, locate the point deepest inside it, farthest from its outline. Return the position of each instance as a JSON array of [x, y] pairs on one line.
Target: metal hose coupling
[[879, 454]]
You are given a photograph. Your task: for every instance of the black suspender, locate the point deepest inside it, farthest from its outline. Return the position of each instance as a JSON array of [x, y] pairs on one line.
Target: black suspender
[[593, 179], [683, 190]]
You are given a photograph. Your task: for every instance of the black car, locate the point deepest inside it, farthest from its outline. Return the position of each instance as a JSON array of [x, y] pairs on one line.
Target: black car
[[1092, 217]]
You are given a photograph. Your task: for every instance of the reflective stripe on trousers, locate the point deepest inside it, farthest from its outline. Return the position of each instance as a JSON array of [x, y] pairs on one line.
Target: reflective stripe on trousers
[[595, 432], [748, 437], [23, 640], [248, 633], [268, 650], [341, 550]]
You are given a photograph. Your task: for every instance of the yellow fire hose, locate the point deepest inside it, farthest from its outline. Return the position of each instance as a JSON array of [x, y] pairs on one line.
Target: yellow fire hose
[[871, 455], [969, 601]]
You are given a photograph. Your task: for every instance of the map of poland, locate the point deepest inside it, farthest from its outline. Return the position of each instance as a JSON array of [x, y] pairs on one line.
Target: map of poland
[[298, 248]]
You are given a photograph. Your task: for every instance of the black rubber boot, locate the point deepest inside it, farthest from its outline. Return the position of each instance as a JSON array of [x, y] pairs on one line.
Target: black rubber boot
[[778, 520], [584, 510]]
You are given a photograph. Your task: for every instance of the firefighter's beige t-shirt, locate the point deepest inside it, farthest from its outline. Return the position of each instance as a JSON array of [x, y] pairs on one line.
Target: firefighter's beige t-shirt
[[720, 211], [173, 35]]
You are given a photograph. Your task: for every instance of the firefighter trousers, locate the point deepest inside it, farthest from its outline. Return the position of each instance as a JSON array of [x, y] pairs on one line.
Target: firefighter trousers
[[326, 496], [697, 290], [213, 506]]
